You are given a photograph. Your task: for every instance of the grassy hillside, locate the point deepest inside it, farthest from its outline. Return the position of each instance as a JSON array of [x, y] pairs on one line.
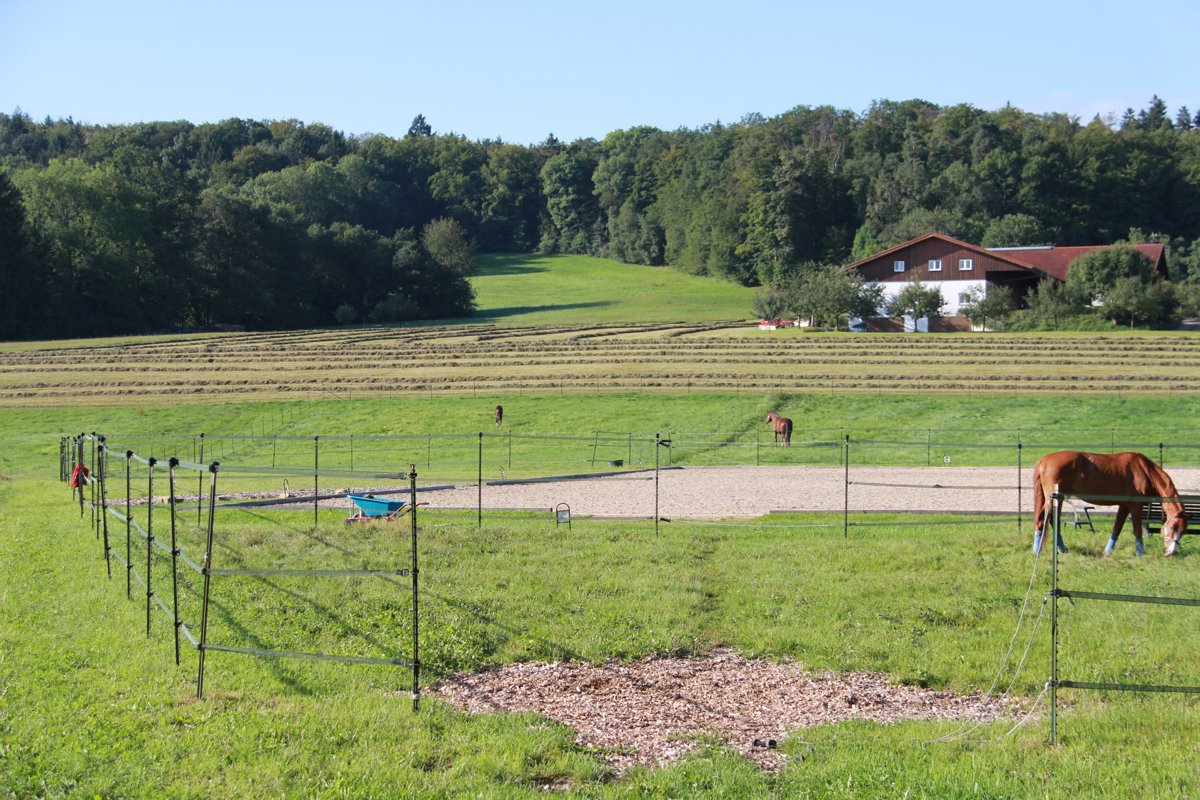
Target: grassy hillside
[[535, 289]]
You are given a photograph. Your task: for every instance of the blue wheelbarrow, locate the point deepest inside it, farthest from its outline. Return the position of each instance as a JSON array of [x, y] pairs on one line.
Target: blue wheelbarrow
[[368, 507]]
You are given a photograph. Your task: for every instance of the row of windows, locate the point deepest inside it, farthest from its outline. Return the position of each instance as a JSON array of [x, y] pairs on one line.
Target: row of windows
[[935, 265]]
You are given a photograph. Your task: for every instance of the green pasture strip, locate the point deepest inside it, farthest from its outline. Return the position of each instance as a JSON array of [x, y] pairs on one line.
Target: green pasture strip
[[362, 439], [545, 289], [94, 708]]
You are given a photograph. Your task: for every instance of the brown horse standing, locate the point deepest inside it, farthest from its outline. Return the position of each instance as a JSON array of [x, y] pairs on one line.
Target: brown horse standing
[[783, 427], [1099, 478], [499, 415]]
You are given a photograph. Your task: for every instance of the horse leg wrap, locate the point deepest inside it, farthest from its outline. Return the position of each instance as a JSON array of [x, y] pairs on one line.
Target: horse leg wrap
[[1139, 547], [1037, 542], [1108, 548], [1062, 548]]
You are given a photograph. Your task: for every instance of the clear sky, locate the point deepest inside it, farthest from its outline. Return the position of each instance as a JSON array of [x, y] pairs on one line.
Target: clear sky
[[521, 69]]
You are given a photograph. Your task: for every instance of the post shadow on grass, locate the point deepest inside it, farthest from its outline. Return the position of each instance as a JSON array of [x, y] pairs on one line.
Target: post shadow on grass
[[513, 311], [328, 611], [509, 268], [474, 612], [275, 665], [307, 534]]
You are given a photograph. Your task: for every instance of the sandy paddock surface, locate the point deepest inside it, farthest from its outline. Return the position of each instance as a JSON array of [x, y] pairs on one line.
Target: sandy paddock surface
[[744, 492]]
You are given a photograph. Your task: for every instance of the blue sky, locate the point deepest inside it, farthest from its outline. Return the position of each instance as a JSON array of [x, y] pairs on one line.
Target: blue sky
[[519, 70]]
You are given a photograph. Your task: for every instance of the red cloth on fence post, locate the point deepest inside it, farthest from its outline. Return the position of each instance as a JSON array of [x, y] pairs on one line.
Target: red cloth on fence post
[[79, 477]]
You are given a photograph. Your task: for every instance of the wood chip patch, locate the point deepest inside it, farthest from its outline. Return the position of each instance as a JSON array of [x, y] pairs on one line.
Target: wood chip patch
[[652, 711]]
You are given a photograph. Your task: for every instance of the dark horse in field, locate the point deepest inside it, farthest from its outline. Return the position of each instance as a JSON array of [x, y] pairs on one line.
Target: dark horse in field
[[499, 415], [783, 427], [1102, 480]]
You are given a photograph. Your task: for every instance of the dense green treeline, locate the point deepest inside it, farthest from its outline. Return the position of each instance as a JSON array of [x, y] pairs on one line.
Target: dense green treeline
[[107, 229]]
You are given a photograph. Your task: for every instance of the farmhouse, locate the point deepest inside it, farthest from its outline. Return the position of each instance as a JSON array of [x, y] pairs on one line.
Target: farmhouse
[[955, 266]]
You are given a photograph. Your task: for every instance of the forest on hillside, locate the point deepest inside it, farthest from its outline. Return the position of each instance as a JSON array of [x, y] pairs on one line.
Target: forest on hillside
[[278, 224]]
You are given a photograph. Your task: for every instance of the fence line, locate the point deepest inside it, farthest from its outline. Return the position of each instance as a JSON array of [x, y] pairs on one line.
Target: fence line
[[75, 449], [1055, 593]]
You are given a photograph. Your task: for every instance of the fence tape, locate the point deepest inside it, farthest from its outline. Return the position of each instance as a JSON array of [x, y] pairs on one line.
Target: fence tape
[[188, 635], [254, 651], [296, 573], [1129, 687], [1129, 598], [936, 486]]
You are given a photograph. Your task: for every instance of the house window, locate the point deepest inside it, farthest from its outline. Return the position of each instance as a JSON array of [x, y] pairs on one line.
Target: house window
[[897, 266], [935, 265], [966, 264]]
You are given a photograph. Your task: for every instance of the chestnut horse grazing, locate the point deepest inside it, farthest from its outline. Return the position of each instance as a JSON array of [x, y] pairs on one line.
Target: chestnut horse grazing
[[499, 415], [1099, 478], [783, 427]]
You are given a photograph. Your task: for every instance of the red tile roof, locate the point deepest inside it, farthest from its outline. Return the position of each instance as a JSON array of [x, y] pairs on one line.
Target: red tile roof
[[1052, 260], [1056, 260]]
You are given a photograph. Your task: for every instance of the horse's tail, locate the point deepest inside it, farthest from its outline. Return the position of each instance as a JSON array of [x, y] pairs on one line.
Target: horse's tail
[[1039, 500]]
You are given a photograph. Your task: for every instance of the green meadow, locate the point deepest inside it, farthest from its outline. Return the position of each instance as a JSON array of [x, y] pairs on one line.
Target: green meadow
[[532, 289], [91, 705]]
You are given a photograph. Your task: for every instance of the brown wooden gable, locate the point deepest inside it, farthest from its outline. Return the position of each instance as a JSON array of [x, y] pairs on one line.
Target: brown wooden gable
[[917, 253]]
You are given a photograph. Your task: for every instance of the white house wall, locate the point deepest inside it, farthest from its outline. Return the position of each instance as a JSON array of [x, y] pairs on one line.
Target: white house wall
[[952, 292]]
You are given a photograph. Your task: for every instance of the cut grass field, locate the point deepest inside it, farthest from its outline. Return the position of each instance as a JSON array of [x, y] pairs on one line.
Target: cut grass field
[[91, 706], [654, 357]]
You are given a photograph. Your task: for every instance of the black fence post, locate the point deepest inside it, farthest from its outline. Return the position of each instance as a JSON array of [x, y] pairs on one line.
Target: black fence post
[[479, 485], [128, 529], [1019, 465], [657, 444], [846, 493], [1160, 455], [316, 476], [200, 486], [416, 659], [207, 571], [1058, 500], [149, 538], [172, 464], [80, 462], [92, 484], [104, 507]]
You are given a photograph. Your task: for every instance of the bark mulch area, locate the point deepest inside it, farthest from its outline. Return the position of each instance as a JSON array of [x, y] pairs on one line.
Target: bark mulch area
[[652, 711]]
